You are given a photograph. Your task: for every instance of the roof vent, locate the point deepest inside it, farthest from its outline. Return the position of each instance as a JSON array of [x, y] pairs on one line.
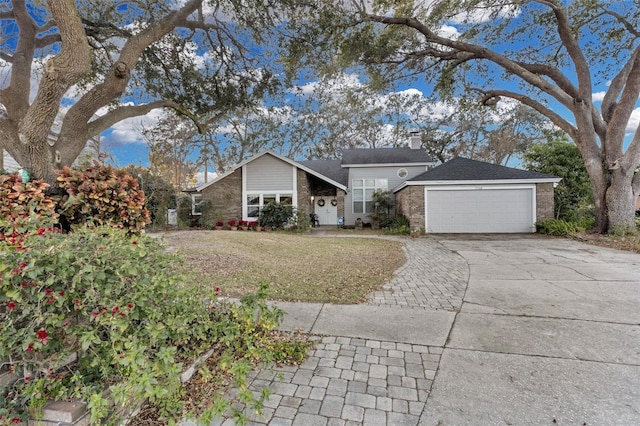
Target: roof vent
[[415, 142]]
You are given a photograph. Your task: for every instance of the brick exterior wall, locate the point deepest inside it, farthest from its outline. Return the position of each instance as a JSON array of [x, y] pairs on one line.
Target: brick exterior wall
[[544, 201], [225, 197], [304, 192], [410, 202], [340, 195]]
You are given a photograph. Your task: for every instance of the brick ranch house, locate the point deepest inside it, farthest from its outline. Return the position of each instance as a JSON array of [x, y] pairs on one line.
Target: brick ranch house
[[459, 196]]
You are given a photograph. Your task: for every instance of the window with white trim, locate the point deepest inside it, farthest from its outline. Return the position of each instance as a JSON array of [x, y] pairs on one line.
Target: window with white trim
[[362, 193], [196, 204], [255, 202]]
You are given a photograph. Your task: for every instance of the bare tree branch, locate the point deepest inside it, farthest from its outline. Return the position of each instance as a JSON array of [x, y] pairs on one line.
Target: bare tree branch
[[48, 40], [620, 116], [556, 118], [481, 53], [116, 115], [62, 71], [625, 23], [615, 88], [18, 99]]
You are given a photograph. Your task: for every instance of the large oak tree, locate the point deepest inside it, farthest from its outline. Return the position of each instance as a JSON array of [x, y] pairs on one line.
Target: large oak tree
[[550, 55], [80, 66]]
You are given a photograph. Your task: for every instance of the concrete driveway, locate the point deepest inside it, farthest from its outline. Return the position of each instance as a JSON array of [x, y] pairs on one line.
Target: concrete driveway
[[548, 333]]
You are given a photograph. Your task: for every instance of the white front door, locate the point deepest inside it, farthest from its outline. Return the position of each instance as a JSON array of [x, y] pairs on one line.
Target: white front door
[[327, 213]]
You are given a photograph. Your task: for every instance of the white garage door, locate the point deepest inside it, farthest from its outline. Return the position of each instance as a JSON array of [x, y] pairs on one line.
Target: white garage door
[[480, 210]]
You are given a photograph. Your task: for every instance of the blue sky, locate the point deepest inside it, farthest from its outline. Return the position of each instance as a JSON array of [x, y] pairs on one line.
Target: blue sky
[[126, 147], [124, 143]]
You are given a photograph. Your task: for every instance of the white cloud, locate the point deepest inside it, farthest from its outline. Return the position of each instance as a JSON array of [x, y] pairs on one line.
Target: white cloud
[[336, 85], [598, 96], [449, 32], [200, 177], [634, 121], [130, 129]]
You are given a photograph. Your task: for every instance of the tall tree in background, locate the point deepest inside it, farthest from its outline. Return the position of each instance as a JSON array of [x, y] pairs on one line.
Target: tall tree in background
[[547, 54], [172, 151], [461, 127], [334, 114], [249, 131], [95, 57]]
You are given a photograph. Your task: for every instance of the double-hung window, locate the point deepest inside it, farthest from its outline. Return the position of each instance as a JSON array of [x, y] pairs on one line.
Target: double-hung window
[[362, 193]]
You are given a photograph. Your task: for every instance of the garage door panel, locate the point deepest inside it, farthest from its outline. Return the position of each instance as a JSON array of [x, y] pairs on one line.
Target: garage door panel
[[479, 210]]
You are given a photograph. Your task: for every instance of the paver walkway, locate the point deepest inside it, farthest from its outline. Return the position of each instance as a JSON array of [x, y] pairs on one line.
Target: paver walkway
[[349, 380], [432, 278]]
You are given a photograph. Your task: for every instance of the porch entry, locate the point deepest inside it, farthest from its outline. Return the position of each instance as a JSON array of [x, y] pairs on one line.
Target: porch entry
[[326, 211]]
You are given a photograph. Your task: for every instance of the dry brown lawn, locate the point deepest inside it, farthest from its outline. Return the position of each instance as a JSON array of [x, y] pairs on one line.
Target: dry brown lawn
[[298, 267], [620, 242]]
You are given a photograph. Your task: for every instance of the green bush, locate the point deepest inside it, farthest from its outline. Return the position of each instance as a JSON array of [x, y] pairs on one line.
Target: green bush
[[560, 227], [185, 216], [397, 225], [119, 299], [209, 216], [102, 195], [302, 221], [277, 215]]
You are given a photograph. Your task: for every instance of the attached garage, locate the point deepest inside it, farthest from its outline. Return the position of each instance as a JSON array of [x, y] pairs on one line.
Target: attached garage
[[468, 196], [484, 209]]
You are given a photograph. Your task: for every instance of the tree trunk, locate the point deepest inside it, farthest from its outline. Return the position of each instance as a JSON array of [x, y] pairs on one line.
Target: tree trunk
[[600, 202], [614, 200], [620, 203], [41, 162]]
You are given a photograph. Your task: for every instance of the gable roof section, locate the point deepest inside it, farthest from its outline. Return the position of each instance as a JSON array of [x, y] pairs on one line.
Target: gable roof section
[[464, 170], [330, 168], [279, 157], [379, 156]]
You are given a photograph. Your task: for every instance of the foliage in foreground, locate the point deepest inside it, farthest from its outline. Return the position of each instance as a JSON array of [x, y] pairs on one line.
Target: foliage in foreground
[[103, 195], [99, 195], [24, 206], [122, 303]]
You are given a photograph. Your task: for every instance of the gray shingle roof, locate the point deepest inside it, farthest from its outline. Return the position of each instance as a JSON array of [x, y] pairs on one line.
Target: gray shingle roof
[[403, 155], [465, 169], [329, 168]]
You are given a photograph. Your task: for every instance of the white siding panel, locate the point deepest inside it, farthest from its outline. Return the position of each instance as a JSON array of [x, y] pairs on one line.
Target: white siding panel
[[375, 172], [10, 164], [268, 173], [480, 210]]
